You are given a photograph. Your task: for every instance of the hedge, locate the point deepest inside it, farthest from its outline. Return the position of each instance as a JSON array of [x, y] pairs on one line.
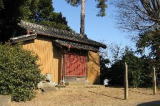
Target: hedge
[[19, 73]]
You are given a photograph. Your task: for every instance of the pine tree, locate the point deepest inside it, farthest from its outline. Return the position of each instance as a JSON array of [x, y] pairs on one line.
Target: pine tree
[[37, 11], [10, 14], [1, 5], [101, 4]]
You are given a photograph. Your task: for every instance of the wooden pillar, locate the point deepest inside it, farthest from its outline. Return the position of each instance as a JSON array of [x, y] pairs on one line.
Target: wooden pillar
[[126, 82], [154, 81], [61, 80]]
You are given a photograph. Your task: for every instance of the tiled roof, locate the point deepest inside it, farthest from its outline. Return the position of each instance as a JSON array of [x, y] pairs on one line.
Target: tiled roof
[[23, 38], [76, 45], [60, 34]]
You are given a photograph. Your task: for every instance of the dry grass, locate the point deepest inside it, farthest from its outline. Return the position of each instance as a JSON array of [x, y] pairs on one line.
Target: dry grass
[[92, 96]]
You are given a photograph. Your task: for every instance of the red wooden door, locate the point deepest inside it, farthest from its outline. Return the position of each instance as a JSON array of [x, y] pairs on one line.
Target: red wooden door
[[75, 65]]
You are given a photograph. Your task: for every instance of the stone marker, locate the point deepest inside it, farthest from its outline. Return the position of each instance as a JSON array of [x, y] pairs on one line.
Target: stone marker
[[47, 85], [5, 100]]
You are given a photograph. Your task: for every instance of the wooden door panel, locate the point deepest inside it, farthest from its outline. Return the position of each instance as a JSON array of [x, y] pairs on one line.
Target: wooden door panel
[[75, 65]]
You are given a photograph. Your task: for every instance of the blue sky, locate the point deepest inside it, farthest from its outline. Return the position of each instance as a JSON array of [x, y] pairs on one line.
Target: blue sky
[[97, 28]]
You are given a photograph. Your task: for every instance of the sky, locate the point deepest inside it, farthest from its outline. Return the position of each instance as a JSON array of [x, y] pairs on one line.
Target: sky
[[103, 29]]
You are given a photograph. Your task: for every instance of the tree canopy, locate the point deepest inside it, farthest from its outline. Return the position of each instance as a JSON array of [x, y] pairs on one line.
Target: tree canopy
[[37, 11], [138, 15], [139, 69], [101, 4], [1, 4], [142, 17]]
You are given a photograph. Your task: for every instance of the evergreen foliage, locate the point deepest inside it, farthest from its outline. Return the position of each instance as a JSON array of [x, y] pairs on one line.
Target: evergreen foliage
[[103, 68], [142, 16], [42, 13], [139, 70], [37, 11], [1, 5], [101, 4], [19, 73], [150, 40]]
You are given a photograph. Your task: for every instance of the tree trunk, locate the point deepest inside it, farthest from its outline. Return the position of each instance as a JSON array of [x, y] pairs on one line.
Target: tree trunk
[[82, 28]]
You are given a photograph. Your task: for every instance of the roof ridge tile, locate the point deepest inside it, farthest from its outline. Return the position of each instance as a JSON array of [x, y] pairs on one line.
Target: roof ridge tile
[[58, 33]]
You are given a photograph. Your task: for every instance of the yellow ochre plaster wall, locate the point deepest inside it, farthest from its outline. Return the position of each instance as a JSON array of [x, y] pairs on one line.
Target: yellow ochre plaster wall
[[93, 67], [49, 56]]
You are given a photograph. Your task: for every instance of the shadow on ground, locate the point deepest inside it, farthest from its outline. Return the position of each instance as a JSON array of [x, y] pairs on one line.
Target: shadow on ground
[[105, 95], [140, 92], [153, 103]]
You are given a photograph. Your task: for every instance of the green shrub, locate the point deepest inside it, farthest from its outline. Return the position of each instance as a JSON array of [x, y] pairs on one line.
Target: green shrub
[[139, 71], [19, 73]]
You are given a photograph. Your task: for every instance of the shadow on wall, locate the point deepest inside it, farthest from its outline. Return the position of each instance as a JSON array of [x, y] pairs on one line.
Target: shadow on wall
[[94, 68], [57, 53], [152, 103], [97, 81], [94, 76], [93, 60]]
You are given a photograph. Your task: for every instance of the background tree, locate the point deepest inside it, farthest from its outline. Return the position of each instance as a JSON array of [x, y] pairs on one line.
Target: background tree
[[1, 4], [103, 68], [139, 70], [138, 15], [42, 13], [143, 17], [101, 4], [9, 16], [151, 41], [37, 11]]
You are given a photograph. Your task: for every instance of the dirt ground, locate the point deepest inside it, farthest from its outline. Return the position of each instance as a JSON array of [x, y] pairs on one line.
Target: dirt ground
[[94, 96]]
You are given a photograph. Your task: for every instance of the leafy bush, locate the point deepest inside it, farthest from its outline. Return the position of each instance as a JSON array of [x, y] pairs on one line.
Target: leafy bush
[[19, 73], [139, 71]]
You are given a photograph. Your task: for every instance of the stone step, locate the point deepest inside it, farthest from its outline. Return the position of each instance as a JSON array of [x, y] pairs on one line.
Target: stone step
[[77, 83], [85, 86], [46, 84]]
